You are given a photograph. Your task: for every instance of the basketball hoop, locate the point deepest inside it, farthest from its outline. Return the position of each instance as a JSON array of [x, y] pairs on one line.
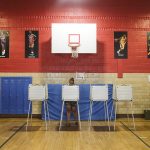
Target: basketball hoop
[[74, 50], [74, 42]]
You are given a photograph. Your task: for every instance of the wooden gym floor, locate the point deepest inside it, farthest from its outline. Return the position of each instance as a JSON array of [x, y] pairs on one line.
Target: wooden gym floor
[[13, 136]]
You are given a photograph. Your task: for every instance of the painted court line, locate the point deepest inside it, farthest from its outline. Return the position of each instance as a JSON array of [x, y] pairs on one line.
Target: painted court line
[[12, 135], [136, 135]]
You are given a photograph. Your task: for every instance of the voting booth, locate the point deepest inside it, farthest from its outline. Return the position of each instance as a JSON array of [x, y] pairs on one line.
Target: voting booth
[[99, 93], [70, 93], [38, 93], [55, 103], [123, 93]]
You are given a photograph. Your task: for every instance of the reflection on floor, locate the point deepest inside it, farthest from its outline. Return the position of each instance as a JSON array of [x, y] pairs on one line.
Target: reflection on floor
[[13, 136]]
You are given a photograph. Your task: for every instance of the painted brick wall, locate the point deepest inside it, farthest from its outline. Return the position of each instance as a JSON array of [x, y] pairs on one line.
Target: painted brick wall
[[132, 16]]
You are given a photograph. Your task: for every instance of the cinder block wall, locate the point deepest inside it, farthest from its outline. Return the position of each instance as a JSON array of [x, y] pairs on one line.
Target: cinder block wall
[[139, 81]]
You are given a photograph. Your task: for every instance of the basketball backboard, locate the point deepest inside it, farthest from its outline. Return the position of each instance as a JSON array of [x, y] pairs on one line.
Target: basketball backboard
[[64, 34]]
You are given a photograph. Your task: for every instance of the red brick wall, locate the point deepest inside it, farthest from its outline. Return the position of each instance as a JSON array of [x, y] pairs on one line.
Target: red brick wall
[[109, 15]]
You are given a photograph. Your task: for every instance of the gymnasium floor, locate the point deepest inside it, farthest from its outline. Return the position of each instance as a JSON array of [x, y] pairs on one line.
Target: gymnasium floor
[[13, 136]]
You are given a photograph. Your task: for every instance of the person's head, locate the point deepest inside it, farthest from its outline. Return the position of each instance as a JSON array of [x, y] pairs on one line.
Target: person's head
[[124, 37], [71, 81], [30, 32]]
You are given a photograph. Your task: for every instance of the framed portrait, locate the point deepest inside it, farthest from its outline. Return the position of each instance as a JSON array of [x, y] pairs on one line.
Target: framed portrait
[[4, 44], [31, 44], [120, 45], [148, 44]]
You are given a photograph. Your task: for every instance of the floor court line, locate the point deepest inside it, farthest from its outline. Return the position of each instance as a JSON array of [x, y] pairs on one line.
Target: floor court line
[[135, 134], [12, 135]]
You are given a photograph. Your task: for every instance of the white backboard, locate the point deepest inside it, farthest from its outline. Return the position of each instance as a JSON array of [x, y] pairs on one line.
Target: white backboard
[[61, 32], [70, 93], [99, 93]]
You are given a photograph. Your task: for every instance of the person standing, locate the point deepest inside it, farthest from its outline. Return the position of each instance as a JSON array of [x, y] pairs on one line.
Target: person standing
[[71, 107], [32, 38]]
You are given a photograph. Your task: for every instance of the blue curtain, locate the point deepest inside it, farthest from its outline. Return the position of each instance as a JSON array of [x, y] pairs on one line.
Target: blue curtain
[[55, 103]]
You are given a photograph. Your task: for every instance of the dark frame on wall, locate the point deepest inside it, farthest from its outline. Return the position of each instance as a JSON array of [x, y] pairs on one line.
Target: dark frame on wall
[[120, 45], [31, 44], [148, 44], [4, 44]]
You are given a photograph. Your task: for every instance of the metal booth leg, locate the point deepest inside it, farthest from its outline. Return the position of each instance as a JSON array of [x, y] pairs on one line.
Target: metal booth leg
[[62, 110], [132, 116], [90, 112], [45, 114], [79, 115], [47, 111], [107, 115], [112, 109], [28, 115], [127, 112], [115, 114]]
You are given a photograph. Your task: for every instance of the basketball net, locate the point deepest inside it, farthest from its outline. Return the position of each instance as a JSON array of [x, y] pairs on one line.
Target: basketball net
[[74, 50]]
